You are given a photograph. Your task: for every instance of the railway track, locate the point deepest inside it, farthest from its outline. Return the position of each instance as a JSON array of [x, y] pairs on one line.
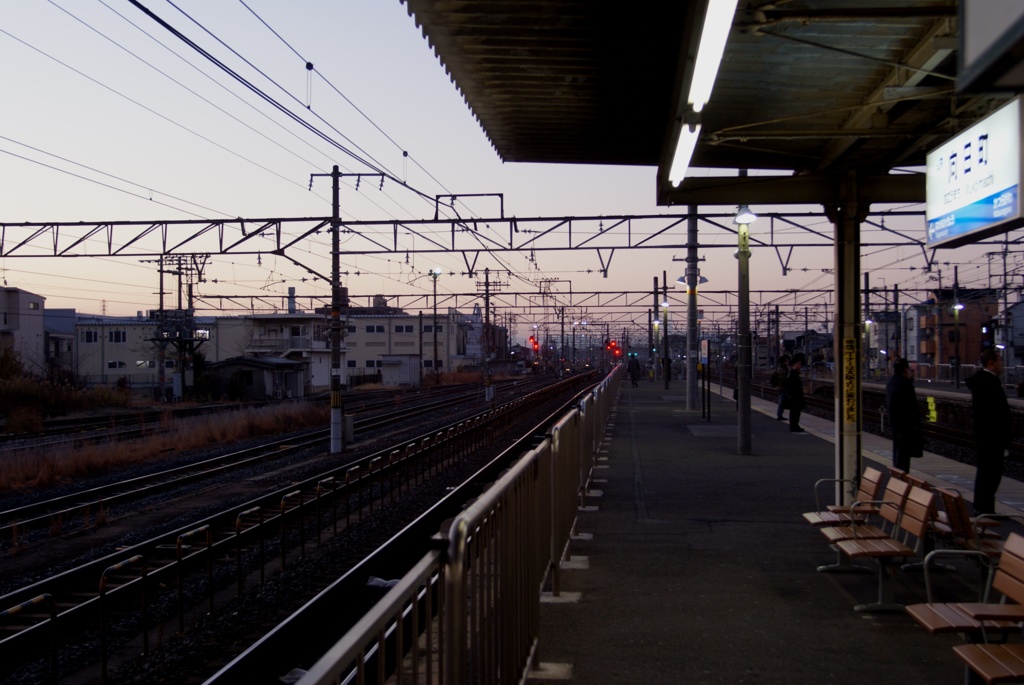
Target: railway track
[[123, 426], [72, 512], [951, 434], [169, 580]]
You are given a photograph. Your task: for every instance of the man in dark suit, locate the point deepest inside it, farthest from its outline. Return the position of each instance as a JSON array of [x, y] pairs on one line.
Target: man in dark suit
[[904, 415], [992, 430], [795, 392]]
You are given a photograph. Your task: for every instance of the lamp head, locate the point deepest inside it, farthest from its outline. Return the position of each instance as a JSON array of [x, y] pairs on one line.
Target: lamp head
[[744, 216]]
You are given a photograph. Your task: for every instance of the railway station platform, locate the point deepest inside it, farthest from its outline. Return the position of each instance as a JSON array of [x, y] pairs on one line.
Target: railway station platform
[[693, 564]]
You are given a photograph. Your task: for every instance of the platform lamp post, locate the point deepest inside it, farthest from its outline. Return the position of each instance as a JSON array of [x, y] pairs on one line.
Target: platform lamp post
[[692, 280], [434, 274], [744, 217], [666, 353], [867, 346], [573, 364]]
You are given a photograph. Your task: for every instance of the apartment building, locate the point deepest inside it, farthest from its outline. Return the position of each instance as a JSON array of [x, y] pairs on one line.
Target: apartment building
[[132, 350], [21, 327]]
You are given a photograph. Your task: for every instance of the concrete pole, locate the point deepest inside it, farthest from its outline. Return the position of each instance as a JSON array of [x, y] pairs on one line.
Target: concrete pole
[[846, 217], [692, 283], [667, 356], [434, 273], [656, 309], [743, 335], [337, 409], [956, 323]]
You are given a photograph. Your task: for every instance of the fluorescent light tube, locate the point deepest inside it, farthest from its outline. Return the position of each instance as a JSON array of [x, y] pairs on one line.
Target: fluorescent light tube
[[684, 151], [717, 23]]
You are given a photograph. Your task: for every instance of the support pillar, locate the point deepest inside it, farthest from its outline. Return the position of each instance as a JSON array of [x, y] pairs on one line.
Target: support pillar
[[846, 216]]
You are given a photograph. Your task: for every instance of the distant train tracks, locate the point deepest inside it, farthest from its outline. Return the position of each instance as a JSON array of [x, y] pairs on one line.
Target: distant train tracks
[[87, 508], [951, 433], [123, 426], [169, 582]]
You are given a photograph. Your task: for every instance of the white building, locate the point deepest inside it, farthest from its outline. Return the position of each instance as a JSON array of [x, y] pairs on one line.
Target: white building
[[127, 350], [21, 327]]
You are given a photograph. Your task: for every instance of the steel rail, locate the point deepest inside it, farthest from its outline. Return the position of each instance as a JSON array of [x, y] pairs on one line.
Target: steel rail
[[74, 590]]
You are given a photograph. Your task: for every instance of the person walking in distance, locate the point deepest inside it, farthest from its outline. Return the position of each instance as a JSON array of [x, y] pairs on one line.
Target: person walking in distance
[[794, 390], [992, 430], [778, 381], [904, 415], [633, 366]]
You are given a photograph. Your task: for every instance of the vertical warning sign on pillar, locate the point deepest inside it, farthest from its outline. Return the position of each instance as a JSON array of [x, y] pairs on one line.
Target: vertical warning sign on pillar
[[849, 380]]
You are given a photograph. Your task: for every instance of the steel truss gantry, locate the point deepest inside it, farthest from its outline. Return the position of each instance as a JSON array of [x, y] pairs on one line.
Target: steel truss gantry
[[603, 235]]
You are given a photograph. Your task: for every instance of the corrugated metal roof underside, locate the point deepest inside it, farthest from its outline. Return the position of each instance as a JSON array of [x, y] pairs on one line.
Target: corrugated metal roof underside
[[813, 86]]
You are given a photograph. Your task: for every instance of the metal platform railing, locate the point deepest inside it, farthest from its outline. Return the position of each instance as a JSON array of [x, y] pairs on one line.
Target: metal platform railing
[[469, 611]]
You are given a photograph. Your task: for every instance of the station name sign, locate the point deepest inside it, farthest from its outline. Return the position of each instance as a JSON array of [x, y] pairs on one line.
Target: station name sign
[[973, 181]]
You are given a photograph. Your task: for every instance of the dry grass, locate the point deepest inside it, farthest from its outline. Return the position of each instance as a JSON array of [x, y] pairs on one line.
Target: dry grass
[[64, 464]]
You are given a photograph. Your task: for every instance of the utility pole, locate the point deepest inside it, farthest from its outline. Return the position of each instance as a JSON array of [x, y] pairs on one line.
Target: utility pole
[[561, 343], [337, 408], [656, 306], [337, 443], [867, 328], [488, 388], [161, 334], [956, 322], [940, 313], [650, 341], [899, 322], [668, 357], [778, 337], [692, 282], [1007, 321]]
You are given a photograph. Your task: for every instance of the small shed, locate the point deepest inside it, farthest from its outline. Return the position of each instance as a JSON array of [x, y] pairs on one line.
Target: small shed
[[260, 378], [400, 369]]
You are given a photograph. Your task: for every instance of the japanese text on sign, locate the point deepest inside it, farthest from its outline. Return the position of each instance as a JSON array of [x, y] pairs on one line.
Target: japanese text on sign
[[849, 380]]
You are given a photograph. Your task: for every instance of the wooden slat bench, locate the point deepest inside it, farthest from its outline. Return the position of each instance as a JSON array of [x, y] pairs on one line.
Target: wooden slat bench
[[953, 617], [994, 663], [1000, 663], [868, 490], [888, 509], [913, 526]]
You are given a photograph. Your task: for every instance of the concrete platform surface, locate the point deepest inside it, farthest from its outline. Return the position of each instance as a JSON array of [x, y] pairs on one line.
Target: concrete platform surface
[[700, 570]]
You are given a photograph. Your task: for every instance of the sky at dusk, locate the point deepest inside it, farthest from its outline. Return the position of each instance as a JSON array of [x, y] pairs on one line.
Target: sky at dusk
[[108, 116]]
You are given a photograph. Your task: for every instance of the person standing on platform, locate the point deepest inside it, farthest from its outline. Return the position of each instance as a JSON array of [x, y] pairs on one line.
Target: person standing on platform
[[904, 415], [633, 366], [794, 390], [992, 429], [778, 381]]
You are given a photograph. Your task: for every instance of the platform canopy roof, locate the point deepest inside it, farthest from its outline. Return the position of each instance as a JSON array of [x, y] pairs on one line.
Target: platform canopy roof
[[816, 89]]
